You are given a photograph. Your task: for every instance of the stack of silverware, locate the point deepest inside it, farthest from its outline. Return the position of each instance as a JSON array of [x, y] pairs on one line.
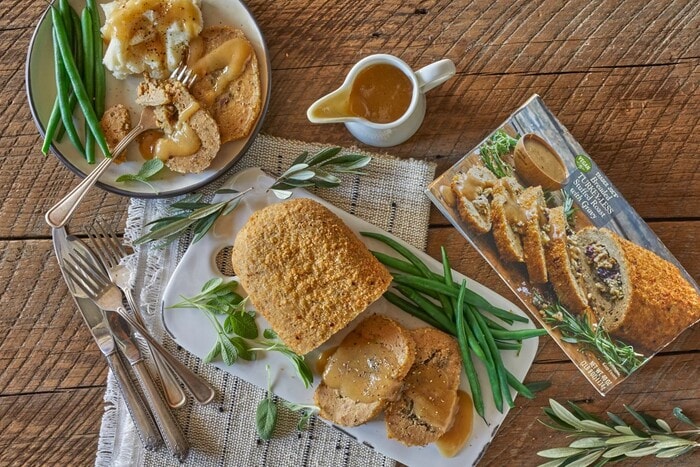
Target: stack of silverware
[[99, 283]]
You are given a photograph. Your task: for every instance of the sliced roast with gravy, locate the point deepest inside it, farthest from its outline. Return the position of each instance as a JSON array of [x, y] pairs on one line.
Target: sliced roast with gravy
[[190, 138], [428, 404], [365, 372], [472, 190], [508, 219], [534, 207]]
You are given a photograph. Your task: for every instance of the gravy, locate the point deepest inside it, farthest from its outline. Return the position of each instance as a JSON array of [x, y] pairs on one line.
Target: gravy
[[380, 93], [454, 440], [181, 142], [361, 370], [231, 58]]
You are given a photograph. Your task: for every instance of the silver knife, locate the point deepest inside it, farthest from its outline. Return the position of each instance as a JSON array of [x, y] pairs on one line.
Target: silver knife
[[172, 435], [97, 324]]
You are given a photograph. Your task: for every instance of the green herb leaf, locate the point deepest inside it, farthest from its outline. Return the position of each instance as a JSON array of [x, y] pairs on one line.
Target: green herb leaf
[[213, 353], [229, 352], [266, 418], [148, 170], [243, 324], [599, 439], [269, 334], [319, 171]]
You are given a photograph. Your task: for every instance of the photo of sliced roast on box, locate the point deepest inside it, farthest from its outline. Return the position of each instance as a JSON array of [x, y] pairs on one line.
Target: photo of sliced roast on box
[[566, 242]]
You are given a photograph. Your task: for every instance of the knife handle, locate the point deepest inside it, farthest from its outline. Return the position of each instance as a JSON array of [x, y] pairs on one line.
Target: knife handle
[[146, 429], [174, 395], [200, 389], [172, 435]]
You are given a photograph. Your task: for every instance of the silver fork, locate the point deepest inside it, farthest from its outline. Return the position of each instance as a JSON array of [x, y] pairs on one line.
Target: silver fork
[[61, 212], [110, 252], [184, 74], [97, 287]]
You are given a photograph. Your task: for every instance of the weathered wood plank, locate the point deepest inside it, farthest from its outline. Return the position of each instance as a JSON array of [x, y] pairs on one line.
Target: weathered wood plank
[[56, 428]]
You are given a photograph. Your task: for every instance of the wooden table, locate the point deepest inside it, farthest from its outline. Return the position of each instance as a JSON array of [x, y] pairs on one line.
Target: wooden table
[[623, 76]]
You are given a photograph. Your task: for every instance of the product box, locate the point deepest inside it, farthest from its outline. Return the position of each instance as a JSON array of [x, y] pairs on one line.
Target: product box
[[580, 258]]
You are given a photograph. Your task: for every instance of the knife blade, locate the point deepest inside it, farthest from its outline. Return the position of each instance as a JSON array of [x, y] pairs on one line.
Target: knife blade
[[97, 324]]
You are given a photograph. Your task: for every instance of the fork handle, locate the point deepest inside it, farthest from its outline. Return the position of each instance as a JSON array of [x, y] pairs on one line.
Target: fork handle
[[62, 211], [174, 395], [172, 435], [200, 389], [140, 415]]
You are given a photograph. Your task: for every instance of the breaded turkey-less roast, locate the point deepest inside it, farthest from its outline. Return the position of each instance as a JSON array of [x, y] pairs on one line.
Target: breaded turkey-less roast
[[641, 298], [305, 271]]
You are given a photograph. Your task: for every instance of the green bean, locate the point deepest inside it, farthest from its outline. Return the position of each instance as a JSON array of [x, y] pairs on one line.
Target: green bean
[[78, 87], [489, 359], [471, 298], [432, 309], [77, 37], [503, 345], [402, 250], [89, 77], [100, 84], [518, 386], [412, 309], [448, 303], [517, 334], [467, 363], [395, 263], [52, 126], [497, 360], [492, 324], [62, 91]]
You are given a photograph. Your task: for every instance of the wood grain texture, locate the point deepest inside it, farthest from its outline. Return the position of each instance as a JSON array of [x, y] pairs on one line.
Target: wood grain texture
[[622, 75]]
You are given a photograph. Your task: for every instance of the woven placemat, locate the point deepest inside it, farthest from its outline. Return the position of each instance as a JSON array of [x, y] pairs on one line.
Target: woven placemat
[[390, 196]]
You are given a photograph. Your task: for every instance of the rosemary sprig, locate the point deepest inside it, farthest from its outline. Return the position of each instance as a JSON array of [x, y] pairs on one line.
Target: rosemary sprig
[[192, 212], [569, 208], [601, 442], [320, 170], [493, 150], [591, 338]]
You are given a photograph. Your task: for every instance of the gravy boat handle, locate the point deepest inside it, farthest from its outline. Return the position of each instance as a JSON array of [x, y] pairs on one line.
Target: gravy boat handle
[[435, 74]]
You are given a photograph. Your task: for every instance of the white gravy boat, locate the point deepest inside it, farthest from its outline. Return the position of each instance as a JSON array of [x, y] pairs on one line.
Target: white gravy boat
[[383, 134]]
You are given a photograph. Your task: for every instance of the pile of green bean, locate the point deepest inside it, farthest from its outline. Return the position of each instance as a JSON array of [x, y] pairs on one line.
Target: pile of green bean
[[456, 310], [80, 78]]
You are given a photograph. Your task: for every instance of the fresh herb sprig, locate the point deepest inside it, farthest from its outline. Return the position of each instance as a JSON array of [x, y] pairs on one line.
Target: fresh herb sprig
[[191, 212], [148, 170], [320, 170], [220, 298], [493, 150], [569, 208], [592, 338], [266, 412], [238, 336], [273, 344], [601, 442]]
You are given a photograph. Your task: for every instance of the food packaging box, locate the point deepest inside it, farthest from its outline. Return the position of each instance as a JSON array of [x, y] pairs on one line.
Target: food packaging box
[[579, 257]]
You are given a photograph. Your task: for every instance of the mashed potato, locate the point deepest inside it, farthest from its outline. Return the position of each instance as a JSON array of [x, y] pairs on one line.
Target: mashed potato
[[149, 36]]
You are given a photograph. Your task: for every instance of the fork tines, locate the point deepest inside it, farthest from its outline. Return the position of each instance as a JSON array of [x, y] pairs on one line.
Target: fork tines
[[107, 246], [85, 274], [184, 74]]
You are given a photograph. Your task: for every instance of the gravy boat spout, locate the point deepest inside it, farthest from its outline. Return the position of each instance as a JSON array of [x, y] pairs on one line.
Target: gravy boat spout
[[332, 108]]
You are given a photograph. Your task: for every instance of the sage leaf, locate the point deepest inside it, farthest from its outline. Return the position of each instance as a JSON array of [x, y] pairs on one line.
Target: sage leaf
[[586, 460], [678, 413], [641, 452], [228, 351], [675, 452], [269, 334], [243, 324], [588, 443], [282, 194], [324, 155], [558, 453], [621, 450], [213, 353], [266, 418]]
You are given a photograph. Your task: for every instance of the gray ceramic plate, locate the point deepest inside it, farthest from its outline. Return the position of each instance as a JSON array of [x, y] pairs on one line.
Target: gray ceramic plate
[[41, 92]]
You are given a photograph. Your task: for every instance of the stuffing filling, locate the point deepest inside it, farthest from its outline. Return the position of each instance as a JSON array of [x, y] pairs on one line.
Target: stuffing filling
[[607, 270]]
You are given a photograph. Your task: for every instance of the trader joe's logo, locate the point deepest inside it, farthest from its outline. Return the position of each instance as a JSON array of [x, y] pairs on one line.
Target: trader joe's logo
[[583, 163]]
